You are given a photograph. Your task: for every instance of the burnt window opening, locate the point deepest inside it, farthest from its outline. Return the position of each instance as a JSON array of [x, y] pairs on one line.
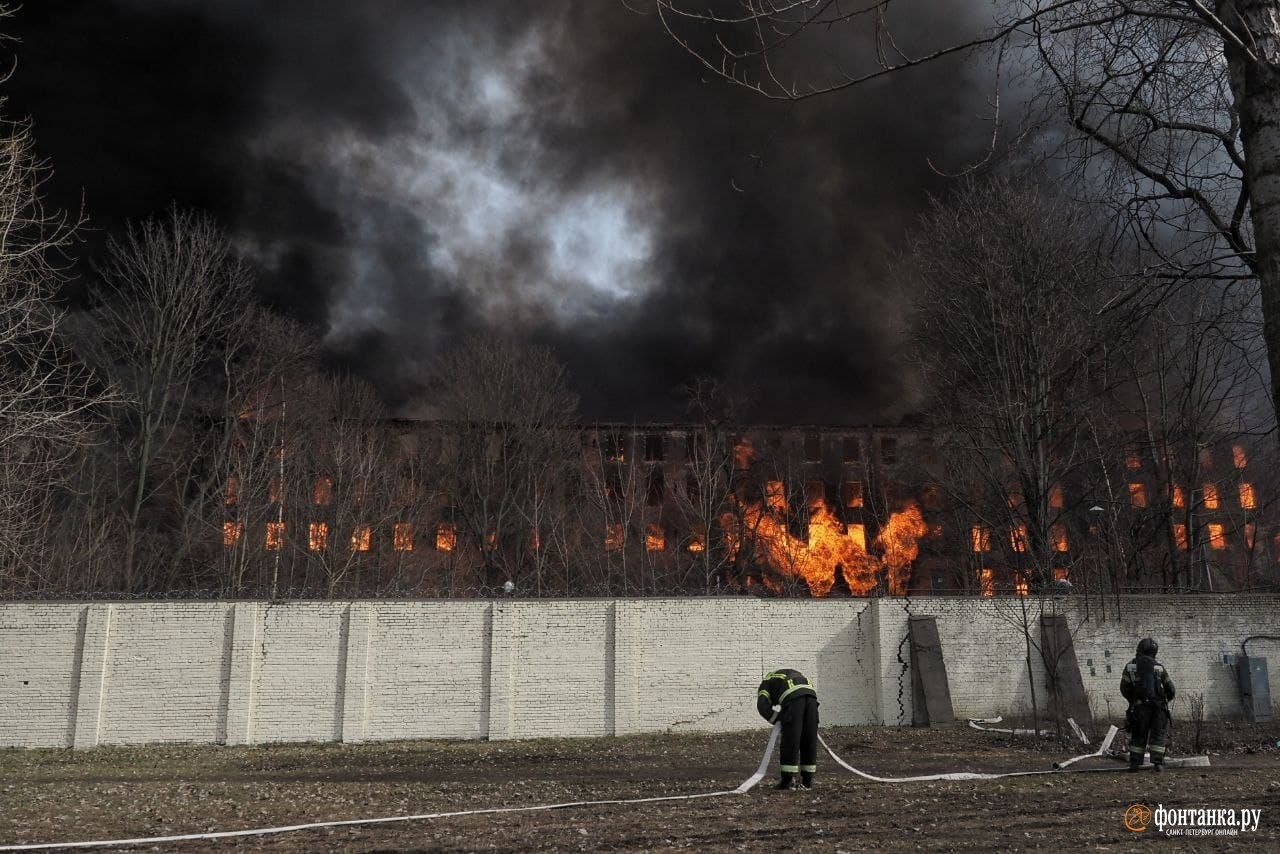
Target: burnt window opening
[[446, 537], [654, 448], [851, 449], [888, 450], [614, 447], [692, 489], [656, 492], [655, 539], [318, 536], [362, 538], [812, 448], [851, 494], [815, 493], [322, 491]]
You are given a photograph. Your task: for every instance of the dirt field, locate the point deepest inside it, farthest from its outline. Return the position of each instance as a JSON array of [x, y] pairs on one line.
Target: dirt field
[[108, 793]]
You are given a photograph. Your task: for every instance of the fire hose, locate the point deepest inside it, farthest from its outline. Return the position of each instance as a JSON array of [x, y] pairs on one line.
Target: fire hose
[[744, 787]]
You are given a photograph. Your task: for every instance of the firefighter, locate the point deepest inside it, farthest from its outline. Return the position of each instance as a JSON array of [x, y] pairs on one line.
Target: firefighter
[[1148, 688], [787, 697]]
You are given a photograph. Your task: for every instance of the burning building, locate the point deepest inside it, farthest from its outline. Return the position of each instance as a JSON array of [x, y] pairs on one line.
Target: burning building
[[611, 509]]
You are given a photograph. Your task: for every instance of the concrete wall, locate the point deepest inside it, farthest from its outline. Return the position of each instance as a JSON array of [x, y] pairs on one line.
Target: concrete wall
[[83, 674]]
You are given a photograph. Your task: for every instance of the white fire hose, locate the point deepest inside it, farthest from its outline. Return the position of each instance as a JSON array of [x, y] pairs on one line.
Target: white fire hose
[[746, 786]]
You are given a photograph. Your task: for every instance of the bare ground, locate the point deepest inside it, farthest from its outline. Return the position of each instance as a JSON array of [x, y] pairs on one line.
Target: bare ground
[[109, 793]]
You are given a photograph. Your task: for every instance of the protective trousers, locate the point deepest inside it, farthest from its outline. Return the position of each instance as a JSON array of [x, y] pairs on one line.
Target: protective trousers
[[799, 721], [1148, 731]]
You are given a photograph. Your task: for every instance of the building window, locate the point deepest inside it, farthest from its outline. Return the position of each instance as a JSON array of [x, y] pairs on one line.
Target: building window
[[1250, 535], [1211, 496], [446, 537], [653, 448], [1206, 459], [1217, 535], [1180, 536], [812, 448], [614, 536], [1061, 573], [656, 491], [852, 448], [322, 491], [655, 539], [1138, 494], [1247, 499], [980, 538], [1179, 496], [744, 454], [273, 490], [815, 493], [851, 493], [1131, 459], [318, 536], [402, 536], [1018, 538], [1239, 457], [1059, 535], [613, 446], [361, 538], [231, 533], [275, 536], [858, 533], [775, 497], [1055, 496], [888, 450], [697, 540], [1023, 587], [987, 581], [930, 496], [233, 491]]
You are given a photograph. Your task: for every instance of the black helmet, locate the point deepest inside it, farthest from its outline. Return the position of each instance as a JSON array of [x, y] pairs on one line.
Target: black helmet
[[1148, 646]]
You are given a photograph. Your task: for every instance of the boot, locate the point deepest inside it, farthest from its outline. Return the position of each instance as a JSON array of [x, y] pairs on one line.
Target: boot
[[1134, 764], [806, 779], [1157, 767], [788, 781]]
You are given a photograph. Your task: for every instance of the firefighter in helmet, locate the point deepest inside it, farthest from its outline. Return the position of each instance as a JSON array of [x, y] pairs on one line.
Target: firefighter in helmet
[[787, 697], [1148, 688]]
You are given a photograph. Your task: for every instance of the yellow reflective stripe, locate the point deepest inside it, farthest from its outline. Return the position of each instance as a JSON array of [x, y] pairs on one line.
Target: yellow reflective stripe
[[788, 769], [809, 768], [791, 691], [1156, 749], [764, 693]]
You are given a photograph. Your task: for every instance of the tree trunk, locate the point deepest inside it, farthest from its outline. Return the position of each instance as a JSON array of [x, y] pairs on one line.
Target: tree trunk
[[1255, 86]]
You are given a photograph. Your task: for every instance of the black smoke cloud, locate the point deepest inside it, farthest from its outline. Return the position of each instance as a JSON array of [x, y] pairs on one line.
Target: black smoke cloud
[[407, 172]]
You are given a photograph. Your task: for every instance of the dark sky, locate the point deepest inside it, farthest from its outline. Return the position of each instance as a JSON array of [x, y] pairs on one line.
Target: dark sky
[[406, 171]]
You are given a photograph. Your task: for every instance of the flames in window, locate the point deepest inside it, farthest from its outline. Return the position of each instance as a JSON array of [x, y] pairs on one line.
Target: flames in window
[[987, 581], [614, 536], [1138, 494], [980, 538], [446, 537], [1248, 501], [1018, 538], [231, 533], [1239, 456], [1211, 496], [318, 536], [655, 539], [1059, 535], [233, 491], [1217, 535], [402, 536], [1180, 536], [361, 538], [697, 541], [1179, 496], [275, 536]]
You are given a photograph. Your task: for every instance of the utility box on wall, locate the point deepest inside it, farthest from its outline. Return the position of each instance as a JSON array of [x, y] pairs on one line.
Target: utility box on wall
[[1255, 691]]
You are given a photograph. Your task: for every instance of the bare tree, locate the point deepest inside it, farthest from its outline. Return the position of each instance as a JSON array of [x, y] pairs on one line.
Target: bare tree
[[1008, 283], [512, 453], [172, 293], [49, 401], [1175, 102]]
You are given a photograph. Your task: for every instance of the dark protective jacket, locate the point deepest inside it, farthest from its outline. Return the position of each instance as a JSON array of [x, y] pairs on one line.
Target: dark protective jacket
[[1146, 681], [778, 688]]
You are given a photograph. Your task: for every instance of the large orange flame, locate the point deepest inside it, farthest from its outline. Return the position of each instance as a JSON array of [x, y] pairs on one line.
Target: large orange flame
[[831, 546]]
